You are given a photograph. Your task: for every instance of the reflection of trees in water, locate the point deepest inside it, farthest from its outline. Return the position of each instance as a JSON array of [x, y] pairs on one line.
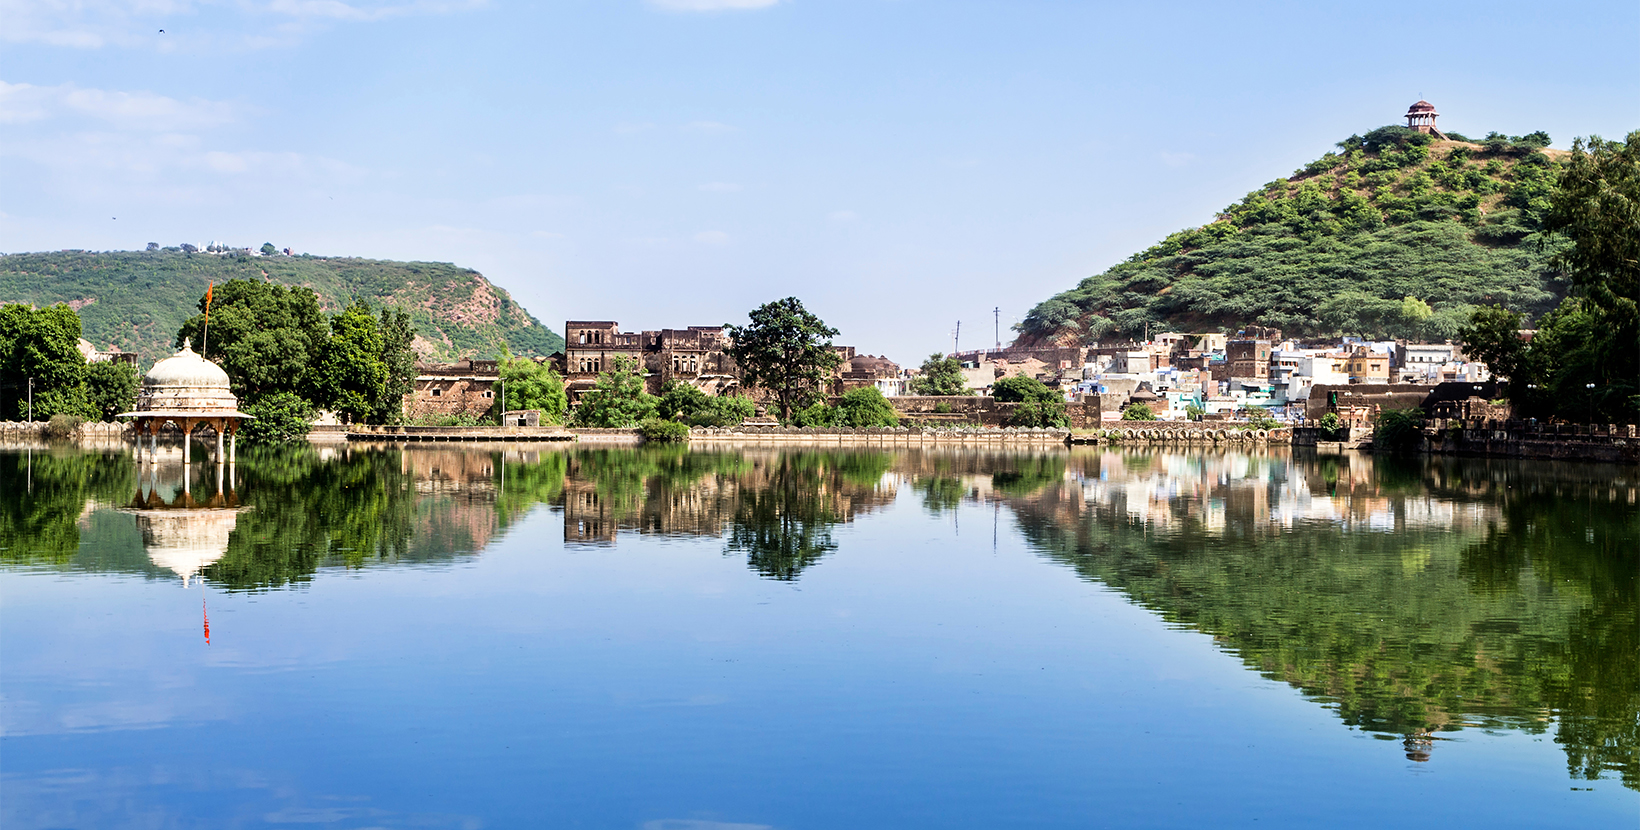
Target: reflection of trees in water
[[47, 493], [777, 508], [1517, 611]]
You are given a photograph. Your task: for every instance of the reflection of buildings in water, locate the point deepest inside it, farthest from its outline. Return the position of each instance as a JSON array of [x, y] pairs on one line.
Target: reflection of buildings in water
[[595, 510]]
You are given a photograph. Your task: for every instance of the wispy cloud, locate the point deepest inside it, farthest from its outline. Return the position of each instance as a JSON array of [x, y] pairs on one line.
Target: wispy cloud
[[711, 5], [720, 187], [25, 103]]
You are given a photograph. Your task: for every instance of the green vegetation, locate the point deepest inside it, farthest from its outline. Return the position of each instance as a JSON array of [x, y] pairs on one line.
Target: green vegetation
[[1195, 411], [940, 376], [1038, 406], [1138, 412], [111, 388], [272, 340], [1397, 430], [137, 300], [663, 431], [1527, 622], [1259, 418], [278, 418], [38, 350], [617, 400], [532, 385], [681, 401], [785, 350], [1395, 235], [1583, 362], [861, 408]]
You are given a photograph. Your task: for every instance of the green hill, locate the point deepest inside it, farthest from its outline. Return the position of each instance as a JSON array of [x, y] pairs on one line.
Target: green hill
[[1396, 235], [137, 300]]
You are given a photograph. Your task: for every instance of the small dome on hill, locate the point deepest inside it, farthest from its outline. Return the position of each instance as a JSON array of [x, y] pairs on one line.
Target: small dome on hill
[[1420, 107], [186, 368]]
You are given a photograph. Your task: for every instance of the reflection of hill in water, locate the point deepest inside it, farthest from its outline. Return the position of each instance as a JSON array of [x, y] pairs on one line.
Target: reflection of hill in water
[[1413, 598]]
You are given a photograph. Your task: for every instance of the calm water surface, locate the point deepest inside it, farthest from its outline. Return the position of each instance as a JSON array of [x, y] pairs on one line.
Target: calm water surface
[[700, 640]]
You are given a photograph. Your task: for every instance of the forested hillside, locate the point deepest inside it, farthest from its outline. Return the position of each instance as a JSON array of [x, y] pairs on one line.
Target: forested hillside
[[1395, 235], [137, 300]]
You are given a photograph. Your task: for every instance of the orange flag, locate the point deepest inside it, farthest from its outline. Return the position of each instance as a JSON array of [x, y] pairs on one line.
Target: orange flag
[[205, 339]]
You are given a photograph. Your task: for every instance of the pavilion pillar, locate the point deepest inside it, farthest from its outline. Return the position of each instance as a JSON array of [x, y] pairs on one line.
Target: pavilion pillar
[[233, 441], [187, 446], [220, 456], [153, 442]]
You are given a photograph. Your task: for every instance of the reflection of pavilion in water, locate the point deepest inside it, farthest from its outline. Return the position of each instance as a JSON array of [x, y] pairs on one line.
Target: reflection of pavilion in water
[[184, 532]]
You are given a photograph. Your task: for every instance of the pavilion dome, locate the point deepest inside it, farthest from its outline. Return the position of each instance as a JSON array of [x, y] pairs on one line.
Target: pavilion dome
[[1421, 106], [186, 382]]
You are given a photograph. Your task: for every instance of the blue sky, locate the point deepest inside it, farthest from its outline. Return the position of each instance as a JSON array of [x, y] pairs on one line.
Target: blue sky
[[898, 164]]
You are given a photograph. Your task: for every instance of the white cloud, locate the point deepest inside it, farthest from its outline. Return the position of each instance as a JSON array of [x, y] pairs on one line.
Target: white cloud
[[720, 187], [23, 103], [712, 238], [711, 5]]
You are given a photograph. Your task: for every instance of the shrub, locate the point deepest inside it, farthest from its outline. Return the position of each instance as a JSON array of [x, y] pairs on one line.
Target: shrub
[[657, 430], [277, 418], [1330, 422], [817, 414], [942, 408], [866, 407], [63, 425], [1194, 412], [1397, 430], [1138, 412], [1259, 418]]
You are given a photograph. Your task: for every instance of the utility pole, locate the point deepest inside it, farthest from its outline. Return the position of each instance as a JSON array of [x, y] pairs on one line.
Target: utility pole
[[956, 337], [31, 399], [996, 321]]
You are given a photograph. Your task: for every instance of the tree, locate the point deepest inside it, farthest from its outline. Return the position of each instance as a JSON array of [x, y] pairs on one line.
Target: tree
[[1138, 412], [681, 401], [865, 407], [785, 350], [353, 374], [267, 337], [1493, 337], [277, 418], [42, 346], [940, 376], [617, 400], [1038, 406], [532, 385], [268, 249], [111, 388], [398, 336], [1597, 207]]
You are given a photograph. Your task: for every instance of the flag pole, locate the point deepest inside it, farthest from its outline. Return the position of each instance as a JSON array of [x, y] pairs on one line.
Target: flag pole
[[205, 335]]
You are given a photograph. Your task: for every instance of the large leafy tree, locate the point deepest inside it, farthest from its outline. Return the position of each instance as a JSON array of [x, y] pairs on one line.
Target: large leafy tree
[[1038, 406], [1597, 207], [41, 344], [111, 388], [618, 398], [353, 375], [267, 337], [785, 350], [532, 385], [940, 376]]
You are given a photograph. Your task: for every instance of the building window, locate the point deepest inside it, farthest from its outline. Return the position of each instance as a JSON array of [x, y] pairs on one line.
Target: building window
[[489, 394], [437, 392]]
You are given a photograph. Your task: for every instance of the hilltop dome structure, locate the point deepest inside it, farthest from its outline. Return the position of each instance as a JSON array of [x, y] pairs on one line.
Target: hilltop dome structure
[[189, 391], [1421, 117]]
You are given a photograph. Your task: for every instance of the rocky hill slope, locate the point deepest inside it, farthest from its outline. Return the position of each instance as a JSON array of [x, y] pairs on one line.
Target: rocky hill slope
[[137, 300], [1396, 235]]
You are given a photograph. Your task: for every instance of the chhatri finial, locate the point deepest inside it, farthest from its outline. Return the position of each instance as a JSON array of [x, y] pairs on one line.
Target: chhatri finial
[[187, 344]]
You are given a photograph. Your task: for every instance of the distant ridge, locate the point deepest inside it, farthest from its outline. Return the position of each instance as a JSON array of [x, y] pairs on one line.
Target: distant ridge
[[136, 300]]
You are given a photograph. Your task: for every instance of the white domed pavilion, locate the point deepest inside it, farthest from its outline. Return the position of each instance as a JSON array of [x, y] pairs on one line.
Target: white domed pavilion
[[187, 390]]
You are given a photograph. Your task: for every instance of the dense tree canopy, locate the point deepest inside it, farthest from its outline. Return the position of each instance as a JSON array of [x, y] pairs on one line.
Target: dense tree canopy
[[617, 400], [1396, 235], [39, 350], [785, 350], [531, 385], [940, 375]]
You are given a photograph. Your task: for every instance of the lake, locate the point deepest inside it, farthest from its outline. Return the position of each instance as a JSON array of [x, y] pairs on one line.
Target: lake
[[676, 639]]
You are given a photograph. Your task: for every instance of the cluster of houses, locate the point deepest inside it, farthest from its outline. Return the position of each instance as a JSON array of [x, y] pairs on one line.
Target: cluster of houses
[[1223, 376], [1178, 376]]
